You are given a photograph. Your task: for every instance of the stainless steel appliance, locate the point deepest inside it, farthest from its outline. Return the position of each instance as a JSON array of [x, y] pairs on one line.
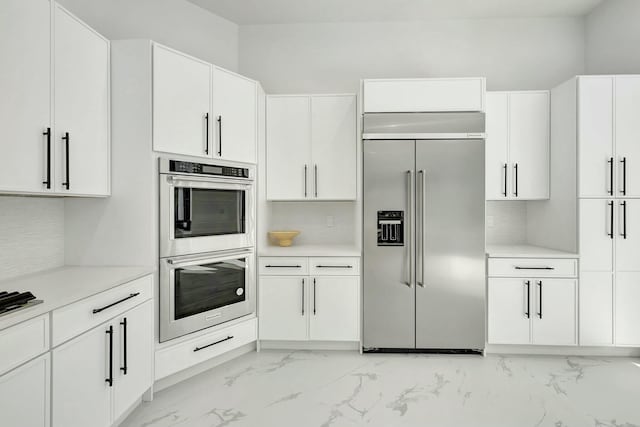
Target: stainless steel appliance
[[199, 291], [205, 207], [424, 242]]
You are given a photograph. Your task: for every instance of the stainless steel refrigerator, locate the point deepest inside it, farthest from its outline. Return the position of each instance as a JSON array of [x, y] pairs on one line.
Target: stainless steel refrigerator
[[424, 238]]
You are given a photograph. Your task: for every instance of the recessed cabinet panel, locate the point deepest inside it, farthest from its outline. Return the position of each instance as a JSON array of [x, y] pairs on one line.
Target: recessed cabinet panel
[[596, 309], [82, 92], [25, 394], [283, 307], [26, 94], [509, 311], [554, 311], [627, 134], [597, 231], [628, 235], [595, 136], [182, 120], [627, 315], [334, 312]]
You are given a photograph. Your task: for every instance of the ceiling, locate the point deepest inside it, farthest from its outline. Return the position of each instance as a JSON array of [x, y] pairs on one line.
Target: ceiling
[[246, 12]]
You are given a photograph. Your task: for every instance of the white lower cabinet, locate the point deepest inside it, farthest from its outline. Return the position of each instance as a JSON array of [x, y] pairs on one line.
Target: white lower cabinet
[[596, 308], [25, 394], [100, 374], [509, 318], [627, 315], [554, 318], [321, 307]]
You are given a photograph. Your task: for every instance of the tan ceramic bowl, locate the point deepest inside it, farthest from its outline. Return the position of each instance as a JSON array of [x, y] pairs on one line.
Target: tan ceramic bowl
[[283, 238]]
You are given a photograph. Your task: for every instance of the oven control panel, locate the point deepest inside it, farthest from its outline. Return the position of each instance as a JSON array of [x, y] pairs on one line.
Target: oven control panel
[[390, 228], [207, 169]]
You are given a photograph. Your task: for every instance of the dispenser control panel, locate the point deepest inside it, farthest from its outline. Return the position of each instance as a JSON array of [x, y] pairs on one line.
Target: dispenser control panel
[[390, 228]]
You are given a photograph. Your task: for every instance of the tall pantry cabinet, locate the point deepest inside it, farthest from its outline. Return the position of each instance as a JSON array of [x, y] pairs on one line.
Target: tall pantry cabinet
[[608, 146]]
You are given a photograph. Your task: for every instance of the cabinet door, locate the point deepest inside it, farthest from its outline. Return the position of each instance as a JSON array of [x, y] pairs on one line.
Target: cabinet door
[[288, 148], [182, 123], [333, 146], [595, 136], [283, 307], [81, 395], [497, 129], [334, 311], [554, 312], [235, 112], [596, 231], [627, 133], [596, 308], [529, 144], [24, 394], [26, 94], [628, 235], [627, 314], [134, 356], [81, 58], [510, 307]]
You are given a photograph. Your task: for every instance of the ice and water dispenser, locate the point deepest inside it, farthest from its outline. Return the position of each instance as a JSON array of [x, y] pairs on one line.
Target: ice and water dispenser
[[390, 228]]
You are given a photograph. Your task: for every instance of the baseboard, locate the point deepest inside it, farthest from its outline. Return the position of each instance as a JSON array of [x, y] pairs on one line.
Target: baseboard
[[173, 379], [535, 350], [309, 345]]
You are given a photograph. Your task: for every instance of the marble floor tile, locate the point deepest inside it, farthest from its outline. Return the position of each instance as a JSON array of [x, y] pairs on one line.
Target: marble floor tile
[[340, 389]]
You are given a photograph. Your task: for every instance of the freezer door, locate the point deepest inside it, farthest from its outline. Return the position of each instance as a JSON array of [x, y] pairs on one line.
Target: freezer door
[[389, 291], [450, 244]]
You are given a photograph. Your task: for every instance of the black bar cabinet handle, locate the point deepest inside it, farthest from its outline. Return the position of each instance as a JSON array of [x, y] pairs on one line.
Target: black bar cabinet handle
[[206, 139], [610, 233], [305, 180], [303, 297], [282, 266], [540, 296], [220, 136], [65, 138], [230, 337], [610, 162], [314, 296], [110, 333], [624, 176], [98, 310], [505, 180], [624, 219], [515, 192], [47, 133], [124, 367], [315, 180], [534, 268], [334, 266], [528, 312]]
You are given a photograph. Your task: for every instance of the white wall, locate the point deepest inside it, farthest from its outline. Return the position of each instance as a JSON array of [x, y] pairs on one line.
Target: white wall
[[176, 23], [613, 38], [31, 235], [511, 53]]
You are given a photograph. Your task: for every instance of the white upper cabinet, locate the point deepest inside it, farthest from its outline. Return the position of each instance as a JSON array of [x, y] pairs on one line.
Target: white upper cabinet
[[595, 136], [333, 147], [71, 155], [311, 147], [517, 153], [628, 235], [182, 120], [423, 95], [627, 135], [25, 87], [82, 128], [235, 116]]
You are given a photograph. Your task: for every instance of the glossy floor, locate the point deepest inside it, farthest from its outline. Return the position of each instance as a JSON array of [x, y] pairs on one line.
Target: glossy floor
[[303, 389]]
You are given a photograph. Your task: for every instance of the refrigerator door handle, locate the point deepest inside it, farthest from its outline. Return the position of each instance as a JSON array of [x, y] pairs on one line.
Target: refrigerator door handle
[[409, 230], [423, 198]]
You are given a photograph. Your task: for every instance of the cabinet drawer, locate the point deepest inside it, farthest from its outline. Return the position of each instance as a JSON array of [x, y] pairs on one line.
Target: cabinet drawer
[[532, 267], [189, 353], [74, 319], [334, 266], [284, 266], [23, 342]]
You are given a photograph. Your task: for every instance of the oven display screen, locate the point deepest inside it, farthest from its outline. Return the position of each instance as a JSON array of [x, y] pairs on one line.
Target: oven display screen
[[216, 170]]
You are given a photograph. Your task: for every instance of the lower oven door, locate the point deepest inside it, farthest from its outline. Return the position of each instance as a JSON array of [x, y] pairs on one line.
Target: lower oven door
[[204, 290]]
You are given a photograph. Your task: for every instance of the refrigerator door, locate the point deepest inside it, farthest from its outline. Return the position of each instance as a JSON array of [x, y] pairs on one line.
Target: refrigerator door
[[389, 290], [450, 244]]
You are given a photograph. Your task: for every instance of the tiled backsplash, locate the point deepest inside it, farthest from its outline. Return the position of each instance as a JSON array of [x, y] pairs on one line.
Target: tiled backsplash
[[506, 222], [31, 235]]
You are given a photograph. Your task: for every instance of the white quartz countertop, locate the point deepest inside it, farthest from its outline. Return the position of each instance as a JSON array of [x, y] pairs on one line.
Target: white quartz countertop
[[65, 285], [310, 250], [526, 251]]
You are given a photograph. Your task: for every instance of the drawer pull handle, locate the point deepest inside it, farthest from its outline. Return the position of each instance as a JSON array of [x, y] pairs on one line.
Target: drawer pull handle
[[282, 266], [98, 310], [334, 266], [534, 268], [213, 343], [110, 333]]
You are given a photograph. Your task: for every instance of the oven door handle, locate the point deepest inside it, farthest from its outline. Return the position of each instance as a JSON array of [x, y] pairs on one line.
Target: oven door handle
[[219, 256], [213, 181]]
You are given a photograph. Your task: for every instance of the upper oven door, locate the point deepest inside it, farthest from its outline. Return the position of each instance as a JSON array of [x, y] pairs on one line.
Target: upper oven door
[[204, 215]]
